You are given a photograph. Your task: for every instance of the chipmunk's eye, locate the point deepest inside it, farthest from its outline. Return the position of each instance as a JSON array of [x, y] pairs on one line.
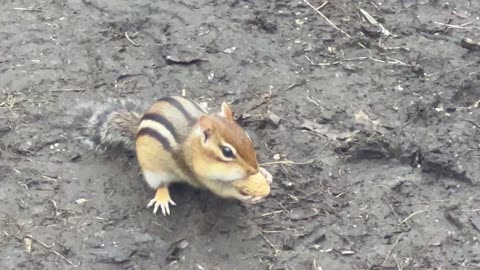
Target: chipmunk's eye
[[227, 152]]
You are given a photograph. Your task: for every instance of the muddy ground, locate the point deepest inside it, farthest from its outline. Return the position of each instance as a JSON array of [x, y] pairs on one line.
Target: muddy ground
[[375, 156]]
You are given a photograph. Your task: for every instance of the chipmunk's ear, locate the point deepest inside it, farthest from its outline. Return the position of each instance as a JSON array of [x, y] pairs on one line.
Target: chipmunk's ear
[[226, 111], [206, 127]]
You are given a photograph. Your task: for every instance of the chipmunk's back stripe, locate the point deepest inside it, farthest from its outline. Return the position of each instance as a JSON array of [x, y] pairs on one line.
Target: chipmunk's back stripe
[[146, 131], [161, 120], [175, 103], [160, 129]]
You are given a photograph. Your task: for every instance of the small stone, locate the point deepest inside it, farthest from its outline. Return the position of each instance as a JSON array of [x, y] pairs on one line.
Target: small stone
[[470, 44], [176, 249], [4, 126], [347, 252], [435, 244], [307, 47], [275, 119], [183, 244], [230, 50], [211, 76], [302, 213], [143, 238], [28, 244], [81, 201]]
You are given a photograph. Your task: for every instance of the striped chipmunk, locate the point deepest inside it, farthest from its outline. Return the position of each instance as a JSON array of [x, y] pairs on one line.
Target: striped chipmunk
[[176, 140]]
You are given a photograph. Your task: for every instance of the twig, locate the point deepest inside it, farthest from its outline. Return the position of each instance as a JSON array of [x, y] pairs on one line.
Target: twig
[[270, 243], [131, 41], [322, 5], [462, 26], [471, 122], [375, 6], [374, 22], [257, 103], [271, 213], [327, 19], [391, 249], [389, 60], [52, 250], [70, 90], [291, 86], [272, 231], [28, 9], [412, 214], [418, 203], [336, 62], [395, 214], [281, 205], [392, 61], [331, 23], [287, 162]]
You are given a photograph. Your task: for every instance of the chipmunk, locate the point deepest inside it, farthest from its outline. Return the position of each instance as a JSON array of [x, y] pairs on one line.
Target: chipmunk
[[177, 140]]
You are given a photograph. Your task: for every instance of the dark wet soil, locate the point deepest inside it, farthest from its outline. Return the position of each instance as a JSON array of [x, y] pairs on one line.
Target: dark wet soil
[[372, 138]]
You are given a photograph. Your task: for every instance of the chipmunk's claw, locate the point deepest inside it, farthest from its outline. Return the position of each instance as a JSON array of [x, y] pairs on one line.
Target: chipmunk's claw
[[162, 199], [266, 174], [165, 206]]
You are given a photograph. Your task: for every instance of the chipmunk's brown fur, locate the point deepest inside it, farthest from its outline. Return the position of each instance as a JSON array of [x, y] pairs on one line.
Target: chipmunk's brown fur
[[176, 140]]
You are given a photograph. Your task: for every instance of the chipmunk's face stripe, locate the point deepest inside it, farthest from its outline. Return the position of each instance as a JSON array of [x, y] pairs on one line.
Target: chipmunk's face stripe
[[162, 121], [157, 136], [177, 105], [232, 133]]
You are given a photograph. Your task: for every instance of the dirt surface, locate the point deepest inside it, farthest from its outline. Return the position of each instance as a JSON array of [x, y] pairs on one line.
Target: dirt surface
[[375, 156]]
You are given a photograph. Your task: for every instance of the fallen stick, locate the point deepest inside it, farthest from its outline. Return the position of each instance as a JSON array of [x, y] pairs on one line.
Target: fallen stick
[[53, 250], [332, 24], [131, 41], [374, 22], [391, 250]]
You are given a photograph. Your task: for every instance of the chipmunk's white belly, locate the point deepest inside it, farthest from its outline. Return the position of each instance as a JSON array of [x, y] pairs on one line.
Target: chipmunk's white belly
[[157, 179]]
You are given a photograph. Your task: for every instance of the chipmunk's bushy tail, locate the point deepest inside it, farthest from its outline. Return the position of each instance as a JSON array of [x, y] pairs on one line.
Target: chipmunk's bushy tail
[[109, 125]]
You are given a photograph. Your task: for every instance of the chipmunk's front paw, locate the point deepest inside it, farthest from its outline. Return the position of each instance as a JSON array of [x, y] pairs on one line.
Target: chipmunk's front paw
[[266, 174], [162, 199]]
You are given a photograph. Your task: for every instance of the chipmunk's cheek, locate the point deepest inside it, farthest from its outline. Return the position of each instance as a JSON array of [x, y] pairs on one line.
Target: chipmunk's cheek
[[230, 174]]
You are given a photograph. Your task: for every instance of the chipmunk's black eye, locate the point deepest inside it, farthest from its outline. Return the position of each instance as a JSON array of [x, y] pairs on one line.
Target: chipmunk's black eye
[[227, 152]]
